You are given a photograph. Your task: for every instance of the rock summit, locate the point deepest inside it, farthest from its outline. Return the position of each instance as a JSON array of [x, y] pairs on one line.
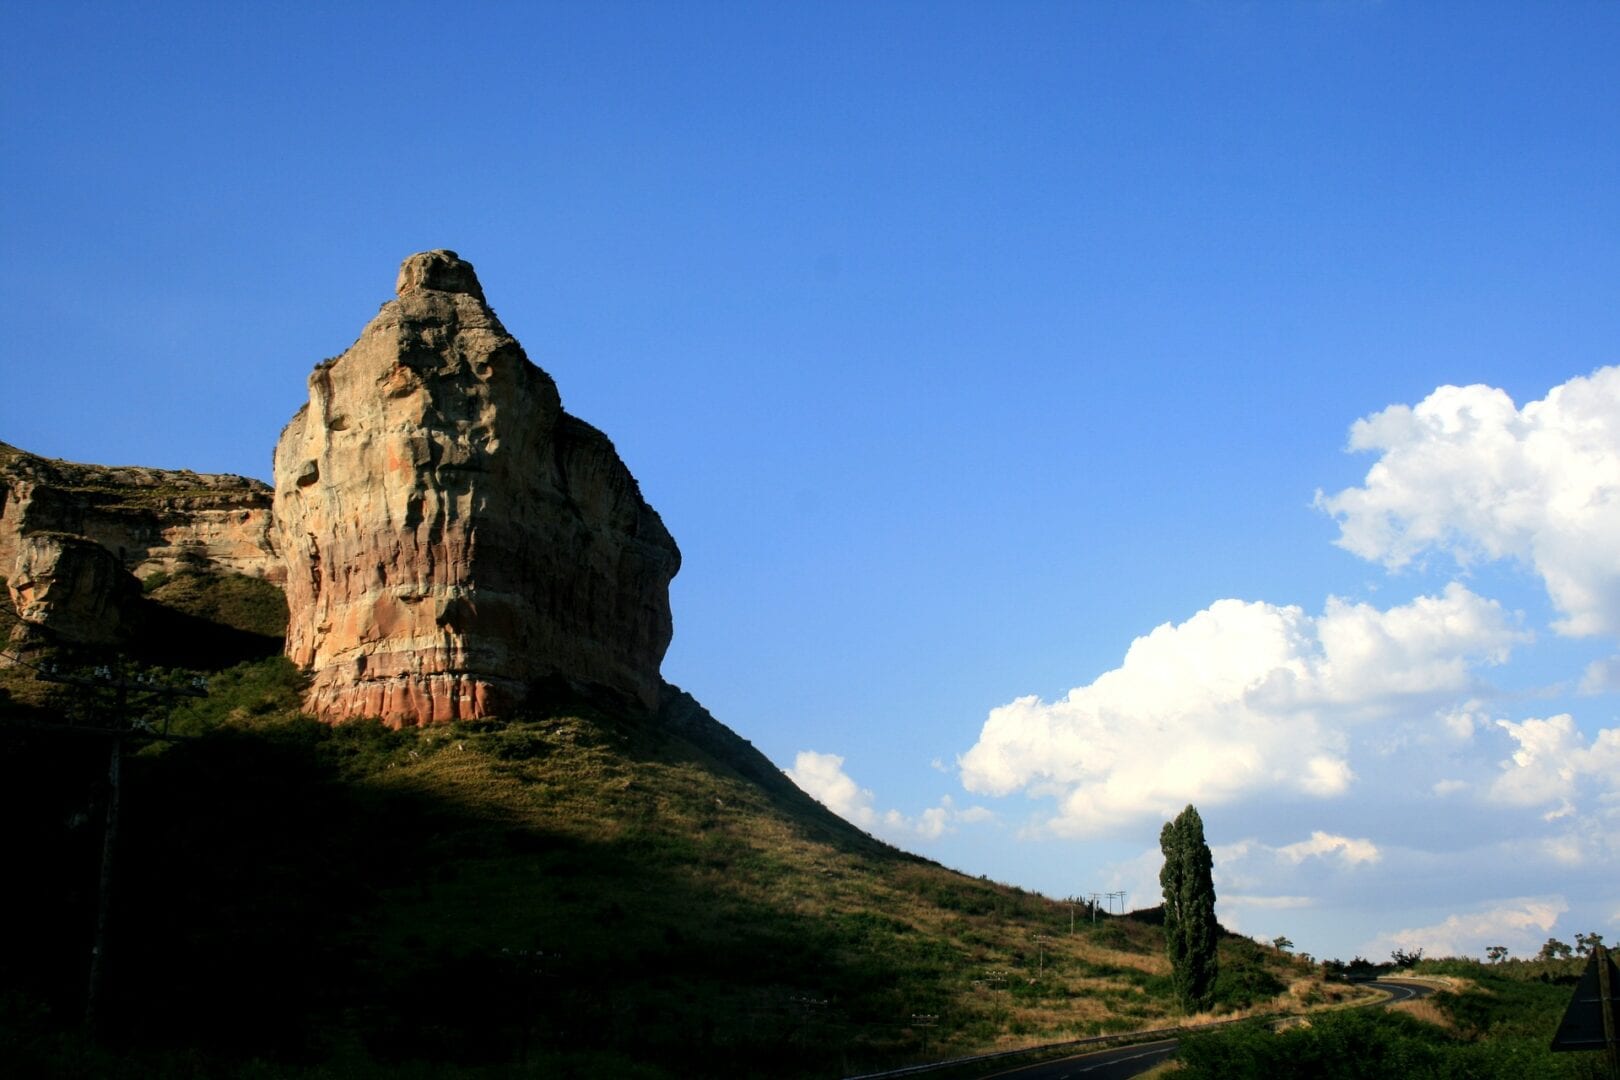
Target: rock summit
[[452, 538]]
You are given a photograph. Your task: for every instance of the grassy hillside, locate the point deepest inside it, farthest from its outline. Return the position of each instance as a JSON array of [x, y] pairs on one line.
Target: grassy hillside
[[564, 892]]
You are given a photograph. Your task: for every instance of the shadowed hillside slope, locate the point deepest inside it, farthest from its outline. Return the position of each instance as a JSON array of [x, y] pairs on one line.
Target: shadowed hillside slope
[[566, 891]]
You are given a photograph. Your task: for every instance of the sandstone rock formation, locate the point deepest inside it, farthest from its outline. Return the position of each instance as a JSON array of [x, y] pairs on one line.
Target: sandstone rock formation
[[452, 537], [151, 519], [72, 587]]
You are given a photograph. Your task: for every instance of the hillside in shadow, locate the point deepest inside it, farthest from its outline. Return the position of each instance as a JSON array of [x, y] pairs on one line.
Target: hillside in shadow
[[566, 892]]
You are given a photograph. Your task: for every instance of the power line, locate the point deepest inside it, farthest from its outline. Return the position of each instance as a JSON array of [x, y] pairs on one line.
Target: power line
[[122, 729]]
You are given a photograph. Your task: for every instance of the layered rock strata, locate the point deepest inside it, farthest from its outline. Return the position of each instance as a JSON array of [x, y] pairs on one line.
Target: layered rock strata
[[452, 537], [150, 519]]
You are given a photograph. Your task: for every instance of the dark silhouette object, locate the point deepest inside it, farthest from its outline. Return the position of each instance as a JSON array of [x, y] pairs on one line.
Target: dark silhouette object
[[1190, 930], [1592, 1021]]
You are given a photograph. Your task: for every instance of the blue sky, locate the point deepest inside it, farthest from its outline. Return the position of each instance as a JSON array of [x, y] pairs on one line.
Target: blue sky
[[960, 347]]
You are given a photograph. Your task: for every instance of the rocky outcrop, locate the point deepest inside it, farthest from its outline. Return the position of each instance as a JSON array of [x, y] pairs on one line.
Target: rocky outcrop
[[452, 537], [71, 587], [150, 519]]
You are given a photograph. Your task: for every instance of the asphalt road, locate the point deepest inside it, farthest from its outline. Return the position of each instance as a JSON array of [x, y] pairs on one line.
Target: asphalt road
[[1403, 991], [1127, 1061]]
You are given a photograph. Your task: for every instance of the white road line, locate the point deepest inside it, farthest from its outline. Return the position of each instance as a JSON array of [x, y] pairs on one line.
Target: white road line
[[1133, 1057]]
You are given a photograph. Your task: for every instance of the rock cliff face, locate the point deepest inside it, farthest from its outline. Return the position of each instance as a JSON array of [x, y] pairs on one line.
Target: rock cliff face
[[72, 587], [151, 519], [452, 538]]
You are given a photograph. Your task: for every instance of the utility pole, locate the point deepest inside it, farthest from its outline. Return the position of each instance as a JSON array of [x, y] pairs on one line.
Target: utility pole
[[924, 1021], [1094, 897], [121, 729], [997, 980], [809, 1010], [530, 966], [109, 846]]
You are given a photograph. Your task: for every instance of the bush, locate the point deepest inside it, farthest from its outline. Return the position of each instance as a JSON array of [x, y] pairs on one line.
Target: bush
[[257, 691], [1347, 1045], [1555, 972], [1243, 982], [1501, 1033]]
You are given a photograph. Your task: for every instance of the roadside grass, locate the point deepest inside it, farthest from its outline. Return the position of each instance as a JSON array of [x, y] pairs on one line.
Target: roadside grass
[[1426, 1010], [1490, 1023]]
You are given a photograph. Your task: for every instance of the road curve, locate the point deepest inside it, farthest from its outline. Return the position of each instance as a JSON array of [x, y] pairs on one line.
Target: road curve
[[1123, 1062], [1402, 991]]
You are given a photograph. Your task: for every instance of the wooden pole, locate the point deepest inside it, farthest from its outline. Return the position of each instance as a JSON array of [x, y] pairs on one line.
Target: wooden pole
[[109, 846], [119, 729]]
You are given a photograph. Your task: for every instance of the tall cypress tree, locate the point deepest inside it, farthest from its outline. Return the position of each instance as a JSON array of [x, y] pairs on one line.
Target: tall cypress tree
[[1189, 909]]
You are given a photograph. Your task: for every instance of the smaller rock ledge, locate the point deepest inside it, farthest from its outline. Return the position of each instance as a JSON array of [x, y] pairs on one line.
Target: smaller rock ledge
[[72, 588]]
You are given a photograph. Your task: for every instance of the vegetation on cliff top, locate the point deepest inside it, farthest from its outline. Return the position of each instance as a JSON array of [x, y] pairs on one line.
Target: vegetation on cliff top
[[131, 486]]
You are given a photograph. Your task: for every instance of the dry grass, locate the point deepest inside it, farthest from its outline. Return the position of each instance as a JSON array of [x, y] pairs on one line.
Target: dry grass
[[1313, 992], [1426, 1010], [962, 948], [726, 842]]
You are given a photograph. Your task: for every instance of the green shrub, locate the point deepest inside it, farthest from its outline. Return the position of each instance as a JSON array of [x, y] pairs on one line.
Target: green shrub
[[1243, 982], [1349, 1045], [1502, 1034], [255, 692], [1560, 971]]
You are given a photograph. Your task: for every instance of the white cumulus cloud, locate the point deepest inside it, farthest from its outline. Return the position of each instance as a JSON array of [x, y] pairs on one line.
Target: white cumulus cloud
[[1521, 924], [1253, 868], [823, 778], [1322, 844], [1466, 473], [1242, 698], [1553, 763]]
